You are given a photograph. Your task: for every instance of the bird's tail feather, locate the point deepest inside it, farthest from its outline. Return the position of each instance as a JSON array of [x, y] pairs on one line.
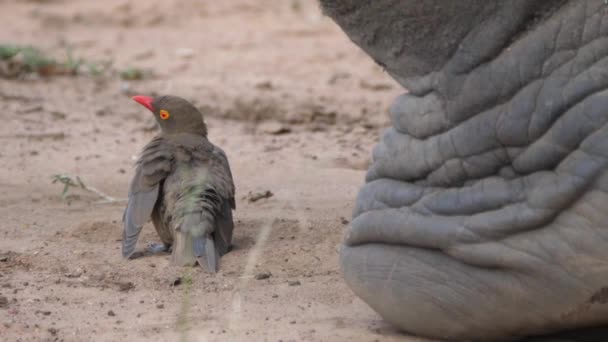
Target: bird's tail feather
[[188, 250], [206, 253]]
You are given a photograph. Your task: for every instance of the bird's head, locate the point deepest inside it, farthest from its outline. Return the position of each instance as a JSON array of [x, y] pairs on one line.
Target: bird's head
[[174, 114]]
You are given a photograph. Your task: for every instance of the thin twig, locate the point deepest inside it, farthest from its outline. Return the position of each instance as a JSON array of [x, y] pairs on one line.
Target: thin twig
[[69, 182]]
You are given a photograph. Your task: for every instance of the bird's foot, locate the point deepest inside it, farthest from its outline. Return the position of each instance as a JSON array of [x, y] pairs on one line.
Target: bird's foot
[[156, 248]]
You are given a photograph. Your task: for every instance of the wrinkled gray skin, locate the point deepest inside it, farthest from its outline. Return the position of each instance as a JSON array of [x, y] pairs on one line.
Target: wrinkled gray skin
[[485, 212]]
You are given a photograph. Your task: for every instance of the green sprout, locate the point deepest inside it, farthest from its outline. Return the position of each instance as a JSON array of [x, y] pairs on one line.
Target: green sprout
[[132, 74], [72, 64], [68, 182], [8, 51]]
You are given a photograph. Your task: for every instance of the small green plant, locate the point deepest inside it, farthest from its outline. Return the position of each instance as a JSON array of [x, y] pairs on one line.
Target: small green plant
[[36, 60], [72, 64], [32, 59], [20, 60], [132, 74], [94, 69], [69, 182], [8, 51]]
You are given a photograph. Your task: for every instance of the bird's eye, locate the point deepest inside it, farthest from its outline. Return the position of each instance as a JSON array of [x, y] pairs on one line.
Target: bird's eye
[[164, 114]]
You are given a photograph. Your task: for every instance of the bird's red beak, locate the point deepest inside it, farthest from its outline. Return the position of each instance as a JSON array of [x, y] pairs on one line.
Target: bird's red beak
[[145, 101]]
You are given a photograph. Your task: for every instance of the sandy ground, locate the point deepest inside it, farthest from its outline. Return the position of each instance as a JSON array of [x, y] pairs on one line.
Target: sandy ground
[[256, 68]]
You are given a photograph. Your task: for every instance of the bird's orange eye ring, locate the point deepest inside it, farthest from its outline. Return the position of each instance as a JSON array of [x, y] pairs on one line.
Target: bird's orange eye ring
[[164, 115]]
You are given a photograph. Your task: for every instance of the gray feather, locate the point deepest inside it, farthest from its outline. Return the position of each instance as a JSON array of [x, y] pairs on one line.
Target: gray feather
[[224, 228], [206, 253], [152, 168], [137, 213], [198, 245]]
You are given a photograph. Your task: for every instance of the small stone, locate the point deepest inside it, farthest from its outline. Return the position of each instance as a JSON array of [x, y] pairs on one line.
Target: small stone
[[53, 331], [58, 115], [160, 306], [30, 109], [375, 86], [76, 274], [111, 313], [263, 275], [144, 55], [3, 302], [273, 127], [177, 281], [294, 283], [265, 85], [102, 112], [125, 287], [254, 197]]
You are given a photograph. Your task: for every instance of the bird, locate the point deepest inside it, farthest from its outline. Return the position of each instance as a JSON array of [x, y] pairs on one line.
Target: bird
[[184, 184]]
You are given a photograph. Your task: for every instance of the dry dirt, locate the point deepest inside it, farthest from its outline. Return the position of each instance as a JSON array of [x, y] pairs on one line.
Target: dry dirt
[[257, 68]]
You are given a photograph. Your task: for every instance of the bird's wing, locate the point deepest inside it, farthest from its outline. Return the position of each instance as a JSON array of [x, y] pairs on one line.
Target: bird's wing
[[153, 166], [221, 167], [225, 226], [224, 185]]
